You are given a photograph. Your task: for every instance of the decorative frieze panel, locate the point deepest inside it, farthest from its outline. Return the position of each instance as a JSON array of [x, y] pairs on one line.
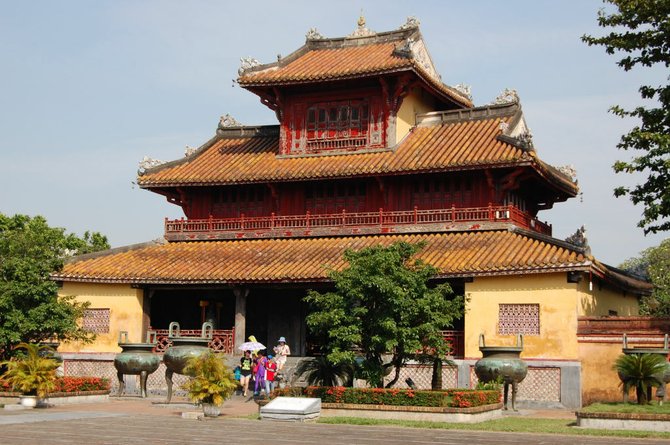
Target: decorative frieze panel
[[542, 384], [519, 319], [422, 376], [96, 320]]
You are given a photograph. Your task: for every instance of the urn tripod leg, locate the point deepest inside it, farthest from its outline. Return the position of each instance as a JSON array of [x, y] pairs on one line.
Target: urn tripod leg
[[143, 383], [515, 387], [506, 392], [122, 384], [168, 380]]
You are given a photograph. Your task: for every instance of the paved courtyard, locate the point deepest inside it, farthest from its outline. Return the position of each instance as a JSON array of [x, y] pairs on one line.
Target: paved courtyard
[[146, 423]]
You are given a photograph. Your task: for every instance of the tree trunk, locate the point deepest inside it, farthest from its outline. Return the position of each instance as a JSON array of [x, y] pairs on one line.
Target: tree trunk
[[436, 380], [397, 367], [641, 395]]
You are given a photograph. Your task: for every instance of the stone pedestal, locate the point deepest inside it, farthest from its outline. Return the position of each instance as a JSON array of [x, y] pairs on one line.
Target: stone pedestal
[[292, 409]]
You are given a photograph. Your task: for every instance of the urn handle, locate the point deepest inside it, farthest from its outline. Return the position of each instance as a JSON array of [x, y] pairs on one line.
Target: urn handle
[[123, 337], [519, 341], [173, 330], [207, 329], [481, 341]]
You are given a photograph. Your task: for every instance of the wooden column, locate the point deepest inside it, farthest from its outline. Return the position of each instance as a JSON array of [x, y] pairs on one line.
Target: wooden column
[[146, 313], [241, 294]]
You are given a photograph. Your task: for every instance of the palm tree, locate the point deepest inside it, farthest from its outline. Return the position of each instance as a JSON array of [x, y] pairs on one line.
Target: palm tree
[[642, 372], [320, 371]]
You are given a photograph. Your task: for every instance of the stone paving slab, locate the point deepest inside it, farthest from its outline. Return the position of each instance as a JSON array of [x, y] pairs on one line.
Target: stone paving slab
[[42, 416], [147, 429]]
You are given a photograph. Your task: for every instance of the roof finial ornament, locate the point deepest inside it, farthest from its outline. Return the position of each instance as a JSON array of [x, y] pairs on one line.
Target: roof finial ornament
[[361, 30], [188, 151], [579, 239], [228, 121], [508, 96], [247, 63], [146, 163], [412, 22], [464, 89], [314, 34], [570, 171]]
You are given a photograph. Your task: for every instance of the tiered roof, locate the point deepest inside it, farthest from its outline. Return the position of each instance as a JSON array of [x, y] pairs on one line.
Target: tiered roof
[[461, 254], [447, 141], [362, 54]]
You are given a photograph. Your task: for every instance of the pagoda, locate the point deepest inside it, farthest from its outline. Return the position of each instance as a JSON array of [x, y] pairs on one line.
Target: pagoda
[[371, 147]]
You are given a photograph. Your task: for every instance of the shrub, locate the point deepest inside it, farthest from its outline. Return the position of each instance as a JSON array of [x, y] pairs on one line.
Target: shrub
[[211, 380], [457, 398], [80, 384], [29, 372]]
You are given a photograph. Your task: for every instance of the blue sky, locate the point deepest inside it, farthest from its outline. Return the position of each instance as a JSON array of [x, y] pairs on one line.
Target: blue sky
[[89, 88]]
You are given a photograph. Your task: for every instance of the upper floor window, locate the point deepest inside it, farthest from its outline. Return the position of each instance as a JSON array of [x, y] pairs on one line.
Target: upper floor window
[[233, 202], [329, 126], [333, 197], [338, 125], [441, 192]]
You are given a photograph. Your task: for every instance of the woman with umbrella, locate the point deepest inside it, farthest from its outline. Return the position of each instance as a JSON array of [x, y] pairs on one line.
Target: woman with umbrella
[[245, 371]]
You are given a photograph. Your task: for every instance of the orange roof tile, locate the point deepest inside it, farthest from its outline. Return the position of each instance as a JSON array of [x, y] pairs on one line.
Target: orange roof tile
[[308, 259], [332, 63], [325, 60], [247, 158]]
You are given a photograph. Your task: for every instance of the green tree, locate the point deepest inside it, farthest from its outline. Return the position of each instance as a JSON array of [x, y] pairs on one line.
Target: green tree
[[383, 306], [640, 32], [653, 264], [30, 310]]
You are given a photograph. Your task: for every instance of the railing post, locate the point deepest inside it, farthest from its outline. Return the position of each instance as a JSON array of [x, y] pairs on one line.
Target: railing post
[[453, 213], [381, 216], [510, 209], [242, 221], [272, 220], [307, 218], [490, 212], [166, 225], [416, 216], [344, 217], [181, 225], [210, 224]]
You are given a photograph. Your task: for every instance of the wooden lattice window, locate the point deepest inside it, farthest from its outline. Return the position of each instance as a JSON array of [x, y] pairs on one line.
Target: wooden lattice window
[[519, 319], [96, 320]]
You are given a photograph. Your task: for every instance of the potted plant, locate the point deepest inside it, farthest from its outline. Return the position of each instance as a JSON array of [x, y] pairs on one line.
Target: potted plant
[[31, 373], [211, 382]]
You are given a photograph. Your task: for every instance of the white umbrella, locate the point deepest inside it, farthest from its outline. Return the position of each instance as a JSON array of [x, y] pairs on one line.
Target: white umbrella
[[251, 346]]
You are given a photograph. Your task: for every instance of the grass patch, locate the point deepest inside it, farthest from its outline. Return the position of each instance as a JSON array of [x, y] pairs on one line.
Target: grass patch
[[506, 424], [627, 408]]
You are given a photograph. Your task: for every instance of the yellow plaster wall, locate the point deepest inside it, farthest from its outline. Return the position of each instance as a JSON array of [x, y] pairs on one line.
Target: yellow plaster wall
[[558, 301], [416, 102], [600, 382], [125, 304], [603, 298]]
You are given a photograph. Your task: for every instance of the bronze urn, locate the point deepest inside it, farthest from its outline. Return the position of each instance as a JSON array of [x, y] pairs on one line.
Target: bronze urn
[[182, 349], [135, 359], [503, 364]]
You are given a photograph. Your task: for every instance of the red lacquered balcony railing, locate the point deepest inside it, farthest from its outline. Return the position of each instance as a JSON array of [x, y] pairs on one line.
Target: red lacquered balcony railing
[[456, 341], [344, 222], [223, 340]]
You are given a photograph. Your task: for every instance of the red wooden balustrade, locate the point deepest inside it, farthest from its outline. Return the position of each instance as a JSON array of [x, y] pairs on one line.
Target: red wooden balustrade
[[344, 219], [223, 340]]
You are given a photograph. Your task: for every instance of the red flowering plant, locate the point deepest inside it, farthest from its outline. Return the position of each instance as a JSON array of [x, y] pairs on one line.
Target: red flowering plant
[[81, 384]]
